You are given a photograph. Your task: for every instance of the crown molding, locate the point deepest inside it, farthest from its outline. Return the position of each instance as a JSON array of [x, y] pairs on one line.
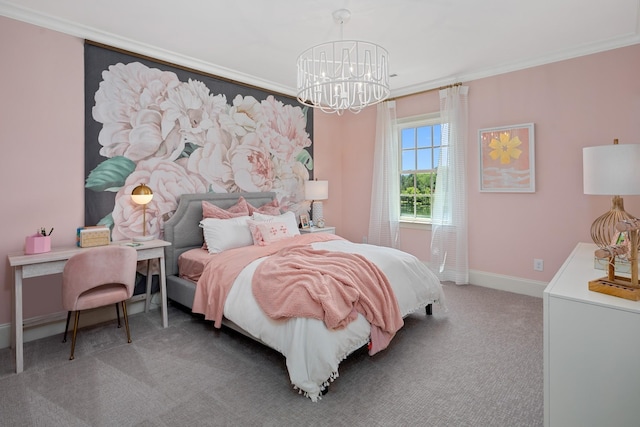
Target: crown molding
[[73, 29], [517, 66], [114, 40]]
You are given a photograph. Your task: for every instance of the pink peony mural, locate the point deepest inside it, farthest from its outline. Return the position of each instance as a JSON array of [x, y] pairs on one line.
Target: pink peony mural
[[178, 136]]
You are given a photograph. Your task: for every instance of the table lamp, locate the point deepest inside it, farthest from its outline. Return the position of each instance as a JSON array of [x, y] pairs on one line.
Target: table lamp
[[316, 191], [613, 170], [142, 195]]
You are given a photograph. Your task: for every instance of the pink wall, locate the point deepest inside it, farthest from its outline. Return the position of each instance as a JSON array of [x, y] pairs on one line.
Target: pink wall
[[581, 102], [42, 139], [328, 166], [576, 103]]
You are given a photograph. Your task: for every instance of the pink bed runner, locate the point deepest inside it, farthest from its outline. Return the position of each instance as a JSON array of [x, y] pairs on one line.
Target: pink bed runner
[[222, 269], [298, 281], [330, 286]]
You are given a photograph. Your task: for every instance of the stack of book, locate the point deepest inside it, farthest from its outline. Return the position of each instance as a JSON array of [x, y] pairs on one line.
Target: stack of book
[[98, 235]]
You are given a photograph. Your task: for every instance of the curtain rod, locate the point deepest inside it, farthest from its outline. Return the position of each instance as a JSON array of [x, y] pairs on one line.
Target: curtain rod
[[426, 91]]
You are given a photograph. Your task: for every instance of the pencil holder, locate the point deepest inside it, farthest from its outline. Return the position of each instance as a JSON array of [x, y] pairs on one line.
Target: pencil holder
[[37, 244]]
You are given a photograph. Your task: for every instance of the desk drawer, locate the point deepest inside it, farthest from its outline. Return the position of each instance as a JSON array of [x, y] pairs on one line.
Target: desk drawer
[[42, 269]]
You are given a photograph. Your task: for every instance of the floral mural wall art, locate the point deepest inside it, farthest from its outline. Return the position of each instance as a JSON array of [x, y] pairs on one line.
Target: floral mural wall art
[[507, 159], [174, 133]]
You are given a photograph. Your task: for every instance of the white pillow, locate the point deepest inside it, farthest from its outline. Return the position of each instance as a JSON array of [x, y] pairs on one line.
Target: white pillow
[[288, 218], [223, 234]]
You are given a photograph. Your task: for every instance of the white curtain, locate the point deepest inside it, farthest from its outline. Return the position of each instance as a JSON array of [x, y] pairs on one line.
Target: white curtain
[[384, 219], [449, 241]]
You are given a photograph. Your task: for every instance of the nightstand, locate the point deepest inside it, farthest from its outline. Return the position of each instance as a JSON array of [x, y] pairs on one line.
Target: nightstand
[[329, 230]]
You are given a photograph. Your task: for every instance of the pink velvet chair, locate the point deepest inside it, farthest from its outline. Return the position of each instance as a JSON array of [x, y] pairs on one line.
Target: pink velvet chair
[[98, 277]]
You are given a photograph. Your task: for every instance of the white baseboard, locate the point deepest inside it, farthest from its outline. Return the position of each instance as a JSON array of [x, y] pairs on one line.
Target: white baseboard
[[516, 285], [52, 324]]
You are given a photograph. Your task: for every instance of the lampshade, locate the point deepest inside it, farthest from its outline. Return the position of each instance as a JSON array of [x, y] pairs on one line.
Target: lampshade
[[611, 170], [316, 190], [141, 195], [343, 75]]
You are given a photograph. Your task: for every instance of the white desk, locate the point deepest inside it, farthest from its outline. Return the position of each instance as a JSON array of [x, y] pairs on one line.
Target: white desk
[[591, 349], [26, 266]]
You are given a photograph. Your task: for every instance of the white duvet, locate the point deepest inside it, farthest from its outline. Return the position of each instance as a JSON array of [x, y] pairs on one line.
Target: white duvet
[[312, 351]]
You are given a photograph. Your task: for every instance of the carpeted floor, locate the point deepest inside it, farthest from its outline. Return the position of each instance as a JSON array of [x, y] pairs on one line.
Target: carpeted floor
[[477, 364]]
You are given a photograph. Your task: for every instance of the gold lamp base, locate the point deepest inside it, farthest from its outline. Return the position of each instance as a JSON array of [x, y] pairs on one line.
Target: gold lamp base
[[603, 229], [620, 287]]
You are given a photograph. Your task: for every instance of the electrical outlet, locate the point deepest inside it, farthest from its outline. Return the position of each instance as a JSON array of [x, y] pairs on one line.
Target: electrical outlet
[[538, 264]]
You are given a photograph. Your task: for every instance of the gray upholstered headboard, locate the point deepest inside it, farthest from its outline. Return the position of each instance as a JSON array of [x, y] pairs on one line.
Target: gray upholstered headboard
[[183, 230]]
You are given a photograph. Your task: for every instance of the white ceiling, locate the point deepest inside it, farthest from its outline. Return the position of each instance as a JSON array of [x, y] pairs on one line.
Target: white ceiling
[[430, 42]]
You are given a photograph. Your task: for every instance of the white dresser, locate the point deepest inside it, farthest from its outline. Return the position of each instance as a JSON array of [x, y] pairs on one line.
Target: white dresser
[[591, 350]]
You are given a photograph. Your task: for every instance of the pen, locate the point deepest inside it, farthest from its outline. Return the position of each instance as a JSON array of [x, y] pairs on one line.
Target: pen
[[51, 231]]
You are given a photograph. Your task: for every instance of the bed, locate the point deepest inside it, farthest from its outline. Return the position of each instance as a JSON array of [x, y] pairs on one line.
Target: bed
[[311, 349]]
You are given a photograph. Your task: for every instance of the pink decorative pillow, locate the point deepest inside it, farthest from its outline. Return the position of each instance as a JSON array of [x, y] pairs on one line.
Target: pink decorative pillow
[[241, 208], [273, 231], [255, 233], [271, 208], [266, 232], [288, 218]]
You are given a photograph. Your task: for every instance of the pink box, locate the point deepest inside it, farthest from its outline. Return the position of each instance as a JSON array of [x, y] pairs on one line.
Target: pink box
[[37, 244]]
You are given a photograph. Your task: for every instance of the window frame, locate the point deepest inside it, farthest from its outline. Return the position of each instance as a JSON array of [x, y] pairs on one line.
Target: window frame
[[429, 119]]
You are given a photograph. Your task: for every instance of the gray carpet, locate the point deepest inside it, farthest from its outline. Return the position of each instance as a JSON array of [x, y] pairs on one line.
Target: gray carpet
[[478, 364]]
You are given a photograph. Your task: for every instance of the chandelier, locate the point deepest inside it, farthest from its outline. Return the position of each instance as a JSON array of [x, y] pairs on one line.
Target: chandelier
[[343, 75]]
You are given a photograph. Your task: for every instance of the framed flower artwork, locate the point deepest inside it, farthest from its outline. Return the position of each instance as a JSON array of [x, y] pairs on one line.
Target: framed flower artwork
[[507, 159]]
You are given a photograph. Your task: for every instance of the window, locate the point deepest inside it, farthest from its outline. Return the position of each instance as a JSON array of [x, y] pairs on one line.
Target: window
[[419, 139]]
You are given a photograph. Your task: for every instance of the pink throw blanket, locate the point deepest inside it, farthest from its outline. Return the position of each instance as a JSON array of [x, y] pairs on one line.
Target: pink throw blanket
[[223, 268], [330, 286]]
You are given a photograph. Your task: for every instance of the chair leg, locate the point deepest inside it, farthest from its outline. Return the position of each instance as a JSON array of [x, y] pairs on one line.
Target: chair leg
[[75, 331], [66, 328], [118, 314], [126, 320]]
